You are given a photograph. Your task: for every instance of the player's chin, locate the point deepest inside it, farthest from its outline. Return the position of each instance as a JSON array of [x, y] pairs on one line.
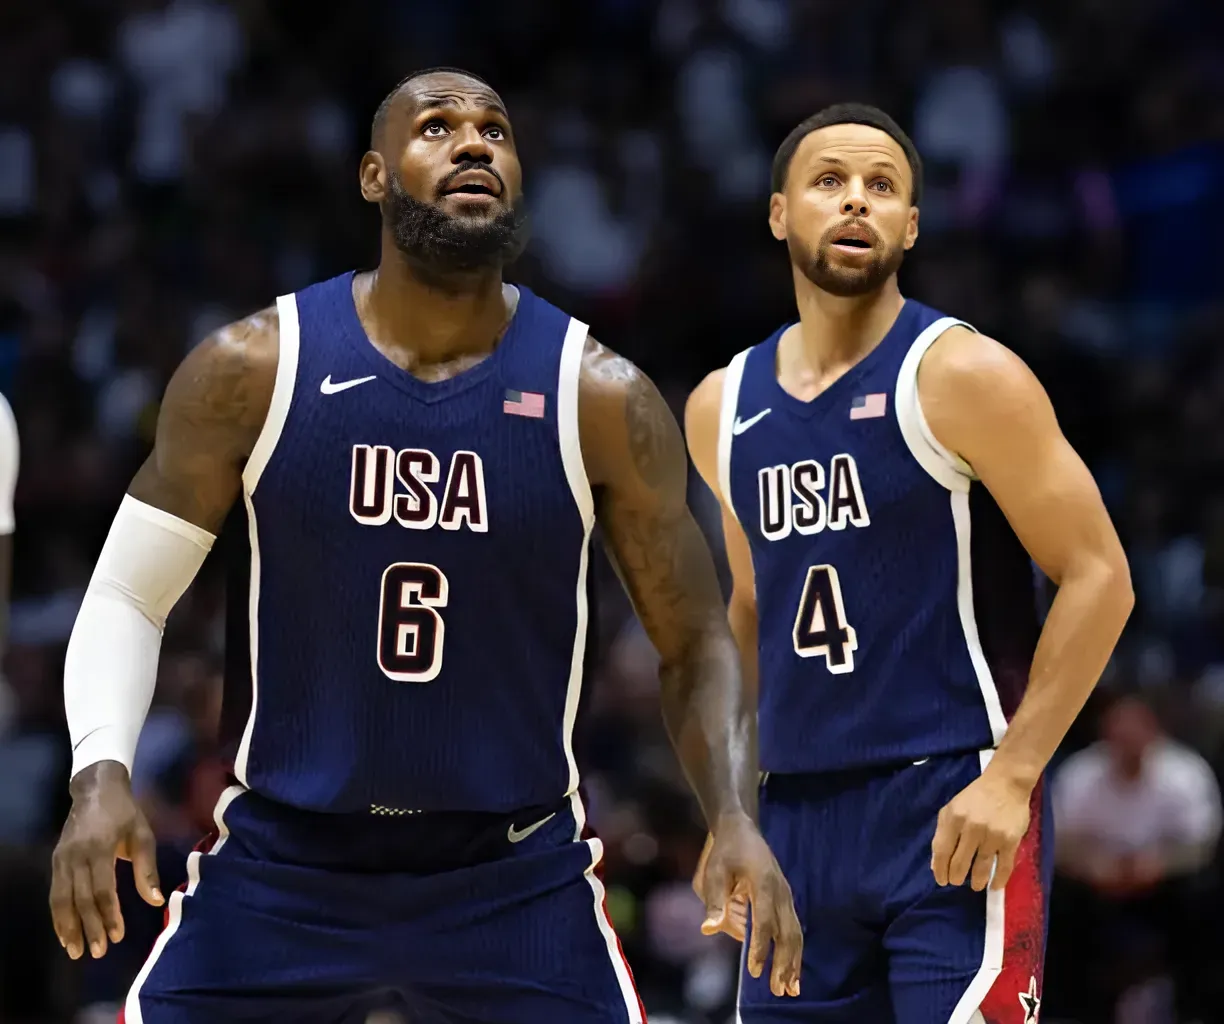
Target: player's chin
[[848, 282]]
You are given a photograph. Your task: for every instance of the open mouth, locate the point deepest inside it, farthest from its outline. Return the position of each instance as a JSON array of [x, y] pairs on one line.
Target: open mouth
[[474, 181], [853, 243], [472, 188]]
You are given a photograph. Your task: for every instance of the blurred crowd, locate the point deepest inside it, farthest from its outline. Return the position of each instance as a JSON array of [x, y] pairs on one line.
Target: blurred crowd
[[169, 165]]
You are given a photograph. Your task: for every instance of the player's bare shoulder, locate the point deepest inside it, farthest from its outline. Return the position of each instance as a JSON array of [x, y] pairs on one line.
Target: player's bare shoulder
[[701, 417], [625, 422], [211, 415], [979, 398], [223, 388], [966, 374]]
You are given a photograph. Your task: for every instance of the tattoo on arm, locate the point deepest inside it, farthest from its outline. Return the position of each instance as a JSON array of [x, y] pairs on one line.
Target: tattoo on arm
[[655, 444], [662, 557], [211, 415], [633, 443]]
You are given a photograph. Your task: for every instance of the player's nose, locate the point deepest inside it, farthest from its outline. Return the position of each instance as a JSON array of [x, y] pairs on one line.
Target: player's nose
[[471, 145], [855, 203]]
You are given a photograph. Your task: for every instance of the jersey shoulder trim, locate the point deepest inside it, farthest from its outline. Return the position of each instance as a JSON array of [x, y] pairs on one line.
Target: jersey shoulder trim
[[282, 392], [946, 467], [570, 441], [728, 406]]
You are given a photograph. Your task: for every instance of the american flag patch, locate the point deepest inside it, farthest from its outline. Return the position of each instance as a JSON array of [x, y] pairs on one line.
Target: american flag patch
[[868, 407], [524, 403]]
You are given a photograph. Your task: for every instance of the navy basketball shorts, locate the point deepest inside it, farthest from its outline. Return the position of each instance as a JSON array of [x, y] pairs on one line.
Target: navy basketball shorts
[[284, 922], [883, 943]]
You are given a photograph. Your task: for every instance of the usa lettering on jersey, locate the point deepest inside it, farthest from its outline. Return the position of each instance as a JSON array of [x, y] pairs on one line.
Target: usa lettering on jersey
[[374, 501], [794, 497]]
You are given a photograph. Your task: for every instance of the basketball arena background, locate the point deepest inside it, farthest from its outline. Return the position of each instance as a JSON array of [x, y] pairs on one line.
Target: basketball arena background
[[169, 165]]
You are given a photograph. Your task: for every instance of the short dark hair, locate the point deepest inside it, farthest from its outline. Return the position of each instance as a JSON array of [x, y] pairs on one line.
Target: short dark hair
[[846, 113], [380, 115]]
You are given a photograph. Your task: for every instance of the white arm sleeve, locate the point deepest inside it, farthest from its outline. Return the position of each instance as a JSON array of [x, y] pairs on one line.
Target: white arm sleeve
[[10, 451], [150, 557]]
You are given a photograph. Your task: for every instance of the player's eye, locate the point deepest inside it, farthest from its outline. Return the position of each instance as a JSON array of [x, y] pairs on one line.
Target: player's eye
[[882, 185], [827, 181], [495, 133], [434, 129]]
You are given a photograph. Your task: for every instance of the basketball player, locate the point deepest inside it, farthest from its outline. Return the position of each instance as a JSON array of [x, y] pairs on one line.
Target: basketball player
[[885, 474], [421, 453]]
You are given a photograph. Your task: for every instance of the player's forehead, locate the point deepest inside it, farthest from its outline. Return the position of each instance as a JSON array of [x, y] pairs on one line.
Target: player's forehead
[[449, 89], [857, 146]]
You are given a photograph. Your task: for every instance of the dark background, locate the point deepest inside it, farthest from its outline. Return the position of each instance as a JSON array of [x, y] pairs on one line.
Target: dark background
[[166, 167]]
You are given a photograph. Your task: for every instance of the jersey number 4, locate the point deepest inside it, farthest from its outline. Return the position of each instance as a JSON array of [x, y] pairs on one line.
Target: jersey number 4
[[410, 630], [821, 626]]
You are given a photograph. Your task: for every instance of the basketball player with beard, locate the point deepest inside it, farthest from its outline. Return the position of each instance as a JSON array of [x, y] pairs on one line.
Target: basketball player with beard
[[887, 478], [419, 456]]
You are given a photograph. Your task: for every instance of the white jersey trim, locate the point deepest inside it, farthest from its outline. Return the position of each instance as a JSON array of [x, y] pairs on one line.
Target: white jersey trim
[[945, 466], [624, 976], [968, 1009], [244, 745], [570, 440], [261, 454], [968, 617], [952, 472], [174, 910], [282, 393], [726, 422], [10, 460]]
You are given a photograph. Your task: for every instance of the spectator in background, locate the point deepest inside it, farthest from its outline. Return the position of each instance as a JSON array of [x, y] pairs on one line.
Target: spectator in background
[[1137, 819], [30, 772]]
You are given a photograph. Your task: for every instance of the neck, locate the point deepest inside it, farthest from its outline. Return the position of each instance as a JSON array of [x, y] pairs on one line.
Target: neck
[[435, 316], [836, 329]]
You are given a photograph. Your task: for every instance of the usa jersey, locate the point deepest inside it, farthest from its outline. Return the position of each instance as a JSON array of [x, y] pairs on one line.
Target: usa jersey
[[411, 625], [897, 609]]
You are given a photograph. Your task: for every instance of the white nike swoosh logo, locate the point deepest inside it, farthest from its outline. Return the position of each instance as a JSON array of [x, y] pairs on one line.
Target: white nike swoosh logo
[[518, 835], [328, 388], [923, 761], [86, 736], [739, 426]]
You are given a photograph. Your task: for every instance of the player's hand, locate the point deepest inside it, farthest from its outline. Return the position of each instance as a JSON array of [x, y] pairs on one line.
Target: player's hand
[[104, 823], [735, 919], [739, 866], [984, 821]]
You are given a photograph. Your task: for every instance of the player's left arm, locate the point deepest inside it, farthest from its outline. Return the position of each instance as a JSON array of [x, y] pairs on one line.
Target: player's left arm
[[638, 468], [984, 404]]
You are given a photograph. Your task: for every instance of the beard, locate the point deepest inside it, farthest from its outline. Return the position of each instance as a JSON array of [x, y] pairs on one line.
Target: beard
[[842, 281], [445, 243]]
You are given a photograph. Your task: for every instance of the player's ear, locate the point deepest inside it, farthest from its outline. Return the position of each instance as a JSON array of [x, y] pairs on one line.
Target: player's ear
[[777, 216], [373, 177], [911, 228]]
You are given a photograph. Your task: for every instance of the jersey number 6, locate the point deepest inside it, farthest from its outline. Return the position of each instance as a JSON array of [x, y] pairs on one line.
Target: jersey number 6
[[410, 630], [821, 626]]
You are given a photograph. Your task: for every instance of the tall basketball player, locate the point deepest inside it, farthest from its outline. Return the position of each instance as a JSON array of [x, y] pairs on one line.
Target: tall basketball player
[[421, 454], [886, 473]]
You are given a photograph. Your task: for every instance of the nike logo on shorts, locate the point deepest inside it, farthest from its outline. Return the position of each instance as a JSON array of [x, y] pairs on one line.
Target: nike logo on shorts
[[518, 835]]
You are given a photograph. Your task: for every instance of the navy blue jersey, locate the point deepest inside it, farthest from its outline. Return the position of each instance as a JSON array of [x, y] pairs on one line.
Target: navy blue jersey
[[897, 612], [413, 632]]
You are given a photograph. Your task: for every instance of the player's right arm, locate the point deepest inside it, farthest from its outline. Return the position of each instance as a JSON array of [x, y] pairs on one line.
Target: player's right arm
[[213, 410], [701, 419]]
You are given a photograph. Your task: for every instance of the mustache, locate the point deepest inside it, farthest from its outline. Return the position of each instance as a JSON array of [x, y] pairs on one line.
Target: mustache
[[469, 165], [830, 236]]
